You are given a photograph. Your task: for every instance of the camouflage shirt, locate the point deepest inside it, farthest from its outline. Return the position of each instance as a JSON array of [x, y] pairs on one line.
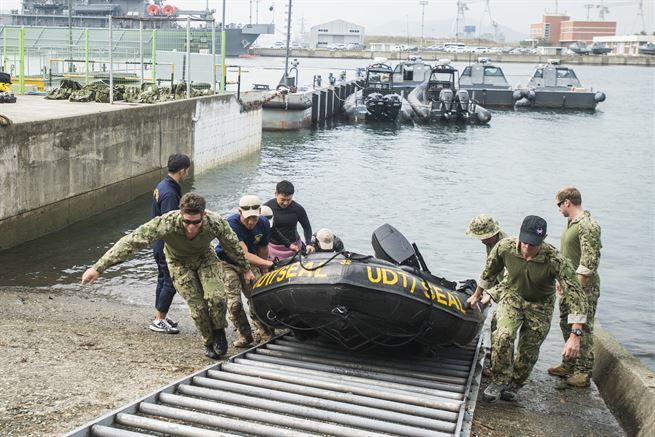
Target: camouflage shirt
[[500, 276], [178, 247], [581, 244], [534, 280]]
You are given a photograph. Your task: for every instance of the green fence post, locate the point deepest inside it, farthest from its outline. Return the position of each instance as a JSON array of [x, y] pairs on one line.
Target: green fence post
[[4, 49], [21, 50], [154, 56], [86, 56]]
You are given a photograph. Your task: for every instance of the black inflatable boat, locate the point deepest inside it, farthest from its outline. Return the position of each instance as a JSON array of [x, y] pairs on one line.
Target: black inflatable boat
[[360, 301]]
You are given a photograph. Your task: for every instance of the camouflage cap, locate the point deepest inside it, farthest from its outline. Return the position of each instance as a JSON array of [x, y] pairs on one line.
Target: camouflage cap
[[482, 227]]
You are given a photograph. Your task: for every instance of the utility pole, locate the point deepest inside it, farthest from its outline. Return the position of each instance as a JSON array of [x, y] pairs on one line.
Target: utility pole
[[588, 8], [286, 58], [250, 16], [70, 36], [223, 47], [423, 3]]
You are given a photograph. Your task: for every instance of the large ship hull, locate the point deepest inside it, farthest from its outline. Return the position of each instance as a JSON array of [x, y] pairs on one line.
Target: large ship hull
[[54, 28]]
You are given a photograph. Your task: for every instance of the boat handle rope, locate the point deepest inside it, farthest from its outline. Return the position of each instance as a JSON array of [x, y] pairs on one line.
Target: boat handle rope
[[271, 316], [326, 262], [421, 331]]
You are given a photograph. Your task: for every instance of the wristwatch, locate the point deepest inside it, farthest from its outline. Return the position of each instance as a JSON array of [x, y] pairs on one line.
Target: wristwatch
[[577, 332]]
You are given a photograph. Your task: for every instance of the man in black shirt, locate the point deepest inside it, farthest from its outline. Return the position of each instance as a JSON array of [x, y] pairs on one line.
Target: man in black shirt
[[285, 240]]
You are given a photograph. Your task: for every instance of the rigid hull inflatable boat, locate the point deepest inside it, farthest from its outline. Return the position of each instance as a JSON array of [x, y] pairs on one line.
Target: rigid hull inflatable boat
[[359, 301], [439, 99], [377, 101]]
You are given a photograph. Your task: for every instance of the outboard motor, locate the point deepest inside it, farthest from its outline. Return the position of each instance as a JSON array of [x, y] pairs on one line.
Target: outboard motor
[[463, 99], [599, 97], [392, 246], [446, 101]]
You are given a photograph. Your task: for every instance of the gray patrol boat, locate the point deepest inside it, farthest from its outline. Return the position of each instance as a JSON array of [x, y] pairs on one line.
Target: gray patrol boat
[[486, 83], [553, 86]]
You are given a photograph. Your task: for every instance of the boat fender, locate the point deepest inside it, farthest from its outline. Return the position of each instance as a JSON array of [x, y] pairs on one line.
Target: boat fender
[[517, 94], [599, 97], [531, 95], [482, 115]]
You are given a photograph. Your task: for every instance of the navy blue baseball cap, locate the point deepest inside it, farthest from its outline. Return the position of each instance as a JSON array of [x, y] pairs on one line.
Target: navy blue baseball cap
[[533, 230]]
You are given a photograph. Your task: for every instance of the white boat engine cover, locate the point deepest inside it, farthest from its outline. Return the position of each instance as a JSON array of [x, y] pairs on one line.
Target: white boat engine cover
[[446, 95]]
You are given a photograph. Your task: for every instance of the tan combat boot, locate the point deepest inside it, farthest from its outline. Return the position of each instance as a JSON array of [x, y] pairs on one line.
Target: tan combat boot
[[243, 341], [560, 371], [578, 380]]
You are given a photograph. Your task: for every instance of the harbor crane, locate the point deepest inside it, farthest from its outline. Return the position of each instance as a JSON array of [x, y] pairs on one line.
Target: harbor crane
[[462, 7], [603, 9]]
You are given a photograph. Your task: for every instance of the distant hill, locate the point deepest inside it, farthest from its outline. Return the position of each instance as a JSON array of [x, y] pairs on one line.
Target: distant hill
[[435, 29]]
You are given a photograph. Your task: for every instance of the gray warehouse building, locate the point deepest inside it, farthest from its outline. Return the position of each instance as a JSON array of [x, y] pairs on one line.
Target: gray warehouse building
[[336, 32]]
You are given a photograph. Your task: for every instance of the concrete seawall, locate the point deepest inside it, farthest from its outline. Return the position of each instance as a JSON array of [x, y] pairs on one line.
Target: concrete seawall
[[463, 57], [58, 170], [626, 385]]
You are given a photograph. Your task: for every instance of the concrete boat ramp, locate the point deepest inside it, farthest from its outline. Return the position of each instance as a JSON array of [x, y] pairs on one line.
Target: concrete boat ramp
[[290, 388]]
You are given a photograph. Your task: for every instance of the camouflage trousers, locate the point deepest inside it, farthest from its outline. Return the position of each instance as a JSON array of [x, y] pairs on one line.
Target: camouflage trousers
[[235, 285], [200, 283], [585, 362], [531, 322]]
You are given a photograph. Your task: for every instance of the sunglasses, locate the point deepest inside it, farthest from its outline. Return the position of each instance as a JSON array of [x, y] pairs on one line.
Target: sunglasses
[[246, 208], [191, 222], [559, 204]]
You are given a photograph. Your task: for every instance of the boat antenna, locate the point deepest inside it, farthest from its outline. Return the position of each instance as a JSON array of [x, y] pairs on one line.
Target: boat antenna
[[285, 78]]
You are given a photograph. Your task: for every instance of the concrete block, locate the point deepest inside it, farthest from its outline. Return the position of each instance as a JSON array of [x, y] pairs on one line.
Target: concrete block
[[627, 386]]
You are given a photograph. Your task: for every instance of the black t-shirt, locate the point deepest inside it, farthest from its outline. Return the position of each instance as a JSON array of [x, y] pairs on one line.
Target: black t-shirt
[[285, 222]]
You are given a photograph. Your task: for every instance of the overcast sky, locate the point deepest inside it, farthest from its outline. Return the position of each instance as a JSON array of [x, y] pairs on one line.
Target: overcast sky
[[515, 14]]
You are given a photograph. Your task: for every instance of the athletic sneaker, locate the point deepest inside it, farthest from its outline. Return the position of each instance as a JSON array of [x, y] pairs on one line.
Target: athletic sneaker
[[171, 322], [163, 326]]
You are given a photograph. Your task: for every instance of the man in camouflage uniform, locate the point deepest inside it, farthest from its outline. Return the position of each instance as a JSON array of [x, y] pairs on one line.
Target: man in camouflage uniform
[[486, 229], [532, 268], [195, 270], [580, 243], [254, 233]]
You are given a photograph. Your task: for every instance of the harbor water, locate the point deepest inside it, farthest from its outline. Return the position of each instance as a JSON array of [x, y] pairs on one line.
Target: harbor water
[[427, 181]]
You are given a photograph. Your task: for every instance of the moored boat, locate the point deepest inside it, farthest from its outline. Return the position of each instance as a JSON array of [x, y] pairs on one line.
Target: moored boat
[[359, 301], [377, 101], [555, 86], [439, 99], [486, 84]]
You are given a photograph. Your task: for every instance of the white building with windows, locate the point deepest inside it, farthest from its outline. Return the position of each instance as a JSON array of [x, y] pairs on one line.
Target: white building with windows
[[333, 33]]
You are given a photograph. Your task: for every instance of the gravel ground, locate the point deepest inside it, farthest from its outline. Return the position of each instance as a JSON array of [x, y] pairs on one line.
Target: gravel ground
[[68, 358]]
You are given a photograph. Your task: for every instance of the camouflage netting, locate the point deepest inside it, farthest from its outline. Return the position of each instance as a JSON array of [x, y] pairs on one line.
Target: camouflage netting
[[98, 91], [64, 90]]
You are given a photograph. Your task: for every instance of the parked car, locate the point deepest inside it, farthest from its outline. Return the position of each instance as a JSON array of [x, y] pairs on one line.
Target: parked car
[[295, 45], [277, 45]]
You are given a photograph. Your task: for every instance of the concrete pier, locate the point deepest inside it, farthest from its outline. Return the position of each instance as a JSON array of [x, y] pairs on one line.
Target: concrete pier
[[644, 60], [61, 162]]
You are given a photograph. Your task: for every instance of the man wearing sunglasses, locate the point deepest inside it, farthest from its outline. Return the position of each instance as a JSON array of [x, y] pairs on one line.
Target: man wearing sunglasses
[[526, 308], [254, 233], [580, 243], [195, 270]]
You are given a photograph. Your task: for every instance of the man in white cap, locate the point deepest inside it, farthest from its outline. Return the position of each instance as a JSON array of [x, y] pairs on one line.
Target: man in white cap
[[325, 241], [254, 233]]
